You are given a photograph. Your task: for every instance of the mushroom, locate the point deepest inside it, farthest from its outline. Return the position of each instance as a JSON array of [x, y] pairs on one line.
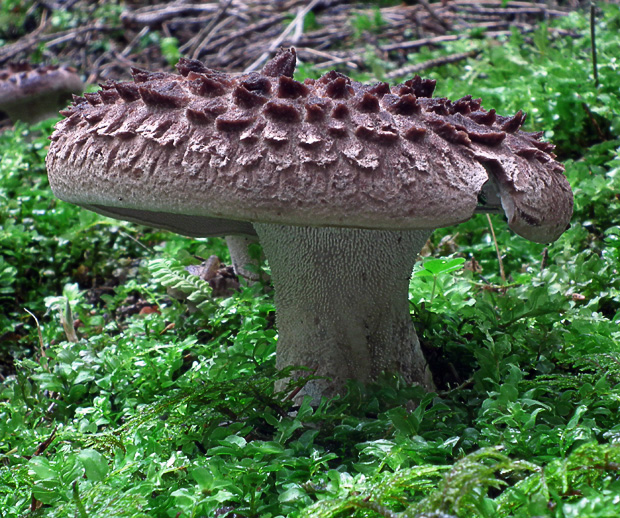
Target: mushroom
[[35, 93], [342, 181]]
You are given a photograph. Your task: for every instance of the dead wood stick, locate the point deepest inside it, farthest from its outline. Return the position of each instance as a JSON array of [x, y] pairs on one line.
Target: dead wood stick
[[129, 48], [498, 3], [206, 34], [433, 14], [8, 52], [159, 15], [276, 43], [431, 63], [403, 45], [237, 35], [352, 59]]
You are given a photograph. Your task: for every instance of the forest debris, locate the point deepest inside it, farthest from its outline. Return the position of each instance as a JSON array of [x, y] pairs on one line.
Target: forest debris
[[235, 35]]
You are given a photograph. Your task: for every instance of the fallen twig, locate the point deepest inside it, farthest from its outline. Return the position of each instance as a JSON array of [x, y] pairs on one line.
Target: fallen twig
[[431, 63]]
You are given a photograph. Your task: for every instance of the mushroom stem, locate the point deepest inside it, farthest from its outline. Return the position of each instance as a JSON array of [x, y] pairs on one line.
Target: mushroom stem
[[239, 249], [342, 303]]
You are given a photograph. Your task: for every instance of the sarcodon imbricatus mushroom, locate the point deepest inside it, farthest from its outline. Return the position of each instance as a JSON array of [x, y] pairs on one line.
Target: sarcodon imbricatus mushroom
[[343, 182], [32, 93]]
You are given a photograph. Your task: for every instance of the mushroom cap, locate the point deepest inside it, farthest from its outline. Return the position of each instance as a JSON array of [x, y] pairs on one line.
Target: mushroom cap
[[186, 151], [32, 92]]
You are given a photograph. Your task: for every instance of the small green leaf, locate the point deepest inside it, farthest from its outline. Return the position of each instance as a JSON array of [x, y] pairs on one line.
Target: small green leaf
[[39, 467], [94, 463], [438, 266]]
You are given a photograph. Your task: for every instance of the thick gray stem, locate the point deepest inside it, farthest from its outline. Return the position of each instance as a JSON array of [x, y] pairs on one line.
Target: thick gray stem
[[238, 247], [342, 304]]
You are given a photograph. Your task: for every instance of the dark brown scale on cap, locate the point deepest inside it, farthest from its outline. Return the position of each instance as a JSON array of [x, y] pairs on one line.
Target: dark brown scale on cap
[[421, 87], [367, 103], [337, 129], [414, 133], [185, 66], [483, 117], [127, 91], [379, 89], [165, 95], [282, 64], [92, 98], [205, 86], [282, 110], [108, 94], [330, 76], [19, 66], [77, 99], [253, 134], [465, 105], [161, 127], [246, 99], [438, 105], [532, 152], [256, 83], [340, 111], [206, 111], [488, 138], [142, 76], [339, 88], [68, 111], [448, 131], [71, 120], [404, 105], [547, 147], [317, 109], [234, 121], [387, 135], [94, 117], [288, 88], [401, 90], [365, 133], [512, 124]]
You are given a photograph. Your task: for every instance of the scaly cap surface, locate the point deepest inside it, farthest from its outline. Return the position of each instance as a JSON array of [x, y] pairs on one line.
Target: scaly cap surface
[[202, 150]]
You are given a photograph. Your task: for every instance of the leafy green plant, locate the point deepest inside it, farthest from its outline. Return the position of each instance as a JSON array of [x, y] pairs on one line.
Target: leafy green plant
[[434, 268], [367, 23], [170, 50]]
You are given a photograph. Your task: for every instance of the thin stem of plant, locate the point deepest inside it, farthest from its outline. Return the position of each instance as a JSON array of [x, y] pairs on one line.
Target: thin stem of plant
[[499, 255], [43, 355], [433, 290], [593, 42]]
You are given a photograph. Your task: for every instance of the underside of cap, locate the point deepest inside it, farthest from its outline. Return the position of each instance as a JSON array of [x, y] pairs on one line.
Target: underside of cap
[[184, 224], [204, 146]]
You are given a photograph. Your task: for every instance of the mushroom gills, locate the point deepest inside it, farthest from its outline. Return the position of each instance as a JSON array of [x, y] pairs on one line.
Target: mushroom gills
[[184, 224]]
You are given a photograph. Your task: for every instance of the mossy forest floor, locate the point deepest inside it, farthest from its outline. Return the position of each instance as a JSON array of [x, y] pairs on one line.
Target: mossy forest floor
[[116, 400]]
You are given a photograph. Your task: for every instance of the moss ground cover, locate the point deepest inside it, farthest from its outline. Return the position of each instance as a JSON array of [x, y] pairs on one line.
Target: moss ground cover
[[123, 403]]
